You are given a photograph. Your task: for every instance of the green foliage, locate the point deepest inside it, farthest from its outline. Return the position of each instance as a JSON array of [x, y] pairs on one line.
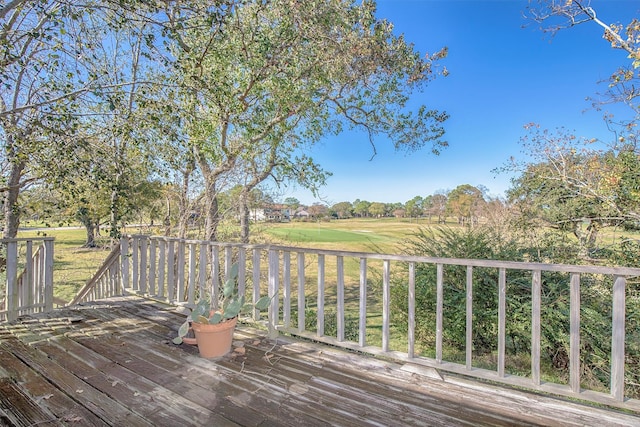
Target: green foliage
[[483, 243]]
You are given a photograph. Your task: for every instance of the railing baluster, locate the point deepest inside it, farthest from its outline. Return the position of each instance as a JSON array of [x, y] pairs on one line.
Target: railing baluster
[[536, 289], [228, 261], [30, 289], [202, 270], [273, 292], [171, 270], [143, 265], [363, 303], [574, 331], [135, 255], [502, 302], [242, 270], [301, 293], [286, 288], [256, 281], [12, 284], [153, 244], [469, 318], [180, 286], [215, 275], [340, 298], [124, 259], [439, 310], [192, 274], [618, 338], [320, 303], [386, 302], [162, 262], [412, 311]]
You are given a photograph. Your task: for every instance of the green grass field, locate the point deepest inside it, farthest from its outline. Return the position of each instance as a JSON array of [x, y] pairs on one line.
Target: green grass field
[[360, 235]]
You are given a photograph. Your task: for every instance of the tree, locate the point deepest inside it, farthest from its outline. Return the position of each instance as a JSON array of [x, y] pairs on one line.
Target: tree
[[52, 77], [267, 79], [437, 205], [292, 203], [378, 209], [361, 208], [464, 202], [573, 188], [343, 209], [413, 208]]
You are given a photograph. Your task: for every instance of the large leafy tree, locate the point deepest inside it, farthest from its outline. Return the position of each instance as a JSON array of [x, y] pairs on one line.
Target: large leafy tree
[[465, 202], [570, 186], [272, 77], [60, 64]]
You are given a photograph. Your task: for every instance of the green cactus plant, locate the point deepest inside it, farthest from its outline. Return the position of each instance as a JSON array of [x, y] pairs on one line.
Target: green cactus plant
[[231, 305]]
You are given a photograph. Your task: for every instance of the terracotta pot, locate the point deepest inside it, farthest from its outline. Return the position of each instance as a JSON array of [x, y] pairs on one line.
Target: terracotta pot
[[214, 340], [190, 338]]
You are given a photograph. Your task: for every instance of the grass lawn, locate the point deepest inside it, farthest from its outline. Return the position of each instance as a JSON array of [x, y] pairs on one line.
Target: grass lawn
[[73, 265], [357, 234]]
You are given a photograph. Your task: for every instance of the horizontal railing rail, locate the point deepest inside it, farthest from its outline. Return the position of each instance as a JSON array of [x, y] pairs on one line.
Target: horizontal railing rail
[[31, 290], [316, 292]]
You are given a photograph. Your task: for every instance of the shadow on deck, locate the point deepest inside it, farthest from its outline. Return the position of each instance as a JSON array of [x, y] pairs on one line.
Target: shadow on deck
[[112, 363]]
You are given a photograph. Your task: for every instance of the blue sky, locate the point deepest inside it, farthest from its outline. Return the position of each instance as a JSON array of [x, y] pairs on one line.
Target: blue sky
[[504, 73]]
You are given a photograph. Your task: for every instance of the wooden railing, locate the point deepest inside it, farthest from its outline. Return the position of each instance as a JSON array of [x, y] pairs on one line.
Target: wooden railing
[[336, 285], [107, 282], [31, 290]]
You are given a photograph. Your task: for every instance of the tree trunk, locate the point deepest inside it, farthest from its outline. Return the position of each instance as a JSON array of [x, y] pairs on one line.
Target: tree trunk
[[11, 208], [183, 206], [91, 234], [244, 217], [212, 214]]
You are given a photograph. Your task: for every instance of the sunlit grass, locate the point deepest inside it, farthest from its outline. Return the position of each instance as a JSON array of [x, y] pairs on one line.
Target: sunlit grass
[[73, 265]]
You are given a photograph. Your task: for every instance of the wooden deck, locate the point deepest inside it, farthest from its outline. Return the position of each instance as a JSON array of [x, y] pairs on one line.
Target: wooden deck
[[112, 363]]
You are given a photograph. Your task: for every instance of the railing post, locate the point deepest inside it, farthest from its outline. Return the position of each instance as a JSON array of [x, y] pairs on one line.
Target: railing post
[[617, 339], [273, 293], [144, 240]]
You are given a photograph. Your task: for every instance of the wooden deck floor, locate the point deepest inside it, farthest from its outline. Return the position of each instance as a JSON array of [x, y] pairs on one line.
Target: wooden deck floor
[[113, 363]]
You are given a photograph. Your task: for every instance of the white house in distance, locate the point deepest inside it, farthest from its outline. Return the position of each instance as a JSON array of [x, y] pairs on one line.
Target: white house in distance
[[272, 213]]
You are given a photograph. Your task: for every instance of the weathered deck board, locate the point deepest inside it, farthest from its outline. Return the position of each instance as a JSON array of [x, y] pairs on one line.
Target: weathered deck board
[[112, 363]]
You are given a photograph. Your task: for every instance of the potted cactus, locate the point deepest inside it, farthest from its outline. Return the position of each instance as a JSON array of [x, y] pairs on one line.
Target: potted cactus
[[214, 326]]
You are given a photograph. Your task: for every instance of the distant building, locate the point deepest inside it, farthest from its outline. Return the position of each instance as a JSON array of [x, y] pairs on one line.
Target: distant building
[[272, 213]]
